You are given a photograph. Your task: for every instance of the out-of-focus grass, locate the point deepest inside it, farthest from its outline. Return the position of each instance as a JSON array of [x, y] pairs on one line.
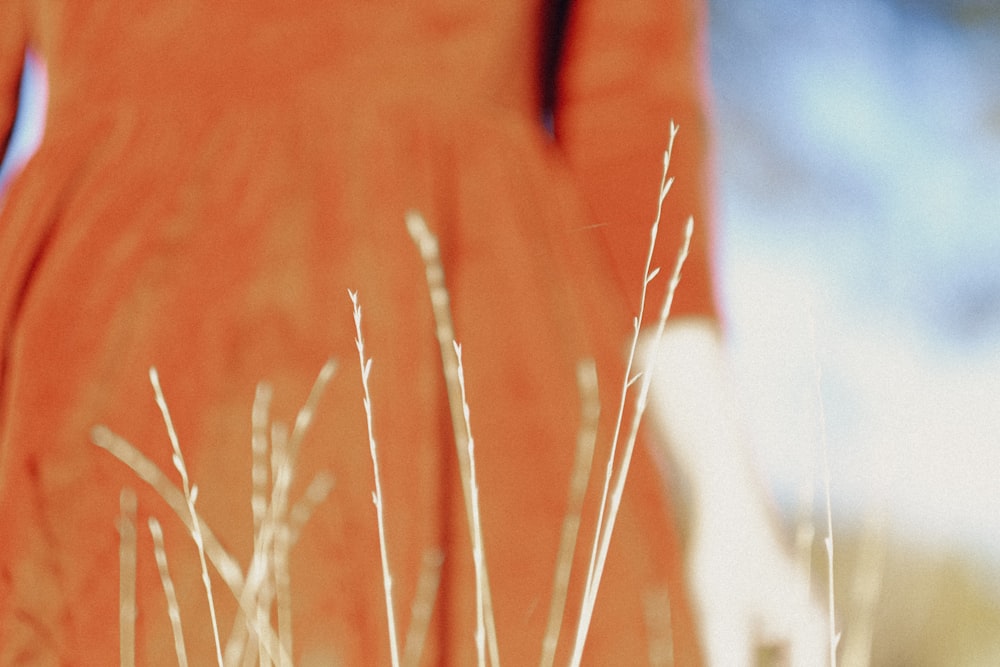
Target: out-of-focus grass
[[933, 607]]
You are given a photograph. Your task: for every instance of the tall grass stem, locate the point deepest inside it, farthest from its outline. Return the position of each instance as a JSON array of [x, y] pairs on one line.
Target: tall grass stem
[[478, 556], [225, 565], [617, 472], [173, 609], [366, 367], [427, 245], [191, 495], [649, 273]]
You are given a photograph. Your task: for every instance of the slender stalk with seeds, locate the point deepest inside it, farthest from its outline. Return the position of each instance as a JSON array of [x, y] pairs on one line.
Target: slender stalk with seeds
[[226, 566], [267, 577], [306, 414], [477, 536], [317, 491], [173, 609], [191, 495], [259, 476], [617, 472], [259, 419], [649, 273], [427, 245], [275, 530], [275, 574], [621, 475], [832, 608], [256, 593], [282, 587], [366, 367]]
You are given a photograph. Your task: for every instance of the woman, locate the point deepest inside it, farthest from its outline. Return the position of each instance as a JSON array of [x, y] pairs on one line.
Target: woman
[[213, 178]]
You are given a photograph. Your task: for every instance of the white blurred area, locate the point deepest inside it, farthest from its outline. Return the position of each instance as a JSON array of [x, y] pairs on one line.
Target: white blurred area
[[859, 166]]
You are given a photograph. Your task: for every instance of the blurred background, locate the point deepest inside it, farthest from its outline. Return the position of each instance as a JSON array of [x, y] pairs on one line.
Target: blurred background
[[859, 177], [858, 147]]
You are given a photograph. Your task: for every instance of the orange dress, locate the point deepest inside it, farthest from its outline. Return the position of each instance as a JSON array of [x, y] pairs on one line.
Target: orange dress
[[214, 177]]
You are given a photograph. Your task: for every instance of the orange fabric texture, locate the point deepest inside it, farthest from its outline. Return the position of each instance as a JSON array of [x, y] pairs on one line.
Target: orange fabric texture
[[214, 177]]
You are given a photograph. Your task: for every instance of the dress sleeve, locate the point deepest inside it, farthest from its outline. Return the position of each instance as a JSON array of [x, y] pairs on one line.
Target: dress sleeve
[[13, 39], [629, 68]]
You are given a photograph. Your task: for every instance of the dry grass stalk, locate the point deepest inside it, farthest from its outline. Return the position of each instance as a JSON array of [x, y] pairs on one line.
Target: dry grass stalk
[[285, 538], [304, 417], [618, 490], [283, 589], [422, 607], [267, 562], [173, 609], [191, 496], [366, 367], [828, 540], [260, 479], [259, 419], [317, 491], [147, 471], [225, 565], [127, 556], [268, 577], [427, 244], [276, 529], [586, 374], [648, 274], [478, 556], [617, 472]]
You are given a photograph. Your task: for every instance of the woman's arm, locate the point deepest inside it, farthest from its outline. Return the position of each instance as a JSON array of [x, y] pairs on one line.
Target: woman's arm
[[748, 591]]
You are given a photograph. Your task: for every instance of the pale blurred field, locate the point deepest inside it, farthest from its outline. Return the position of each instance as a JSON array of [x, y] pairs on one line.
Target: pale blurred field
[[859, 163]]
